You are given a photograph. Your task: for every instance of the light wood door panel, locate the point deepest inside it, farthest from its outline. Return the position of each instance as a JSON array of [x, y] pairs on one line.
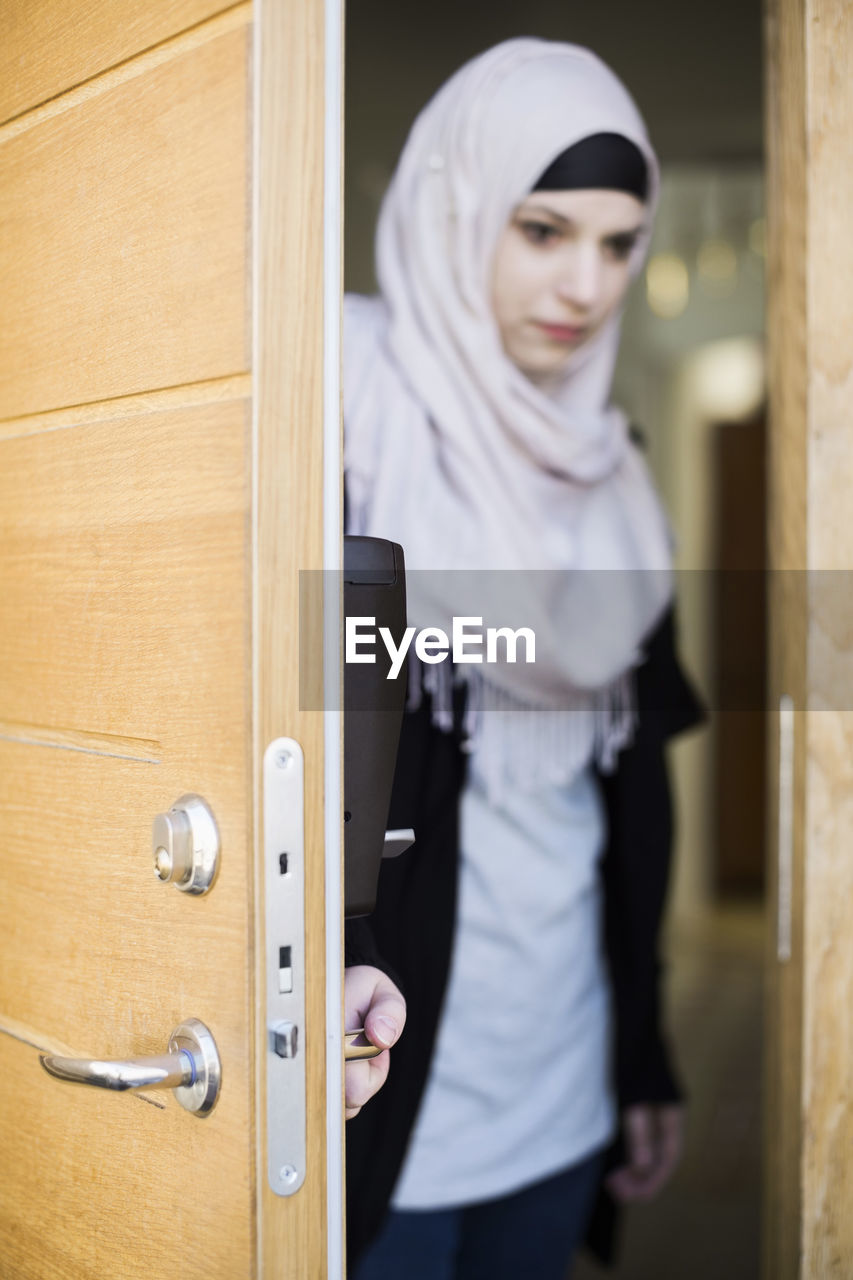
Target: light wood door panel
[[100, 1200], [126, 268], [82, 911], [46, 48], [126, 552], [161, 487], [126, 587]]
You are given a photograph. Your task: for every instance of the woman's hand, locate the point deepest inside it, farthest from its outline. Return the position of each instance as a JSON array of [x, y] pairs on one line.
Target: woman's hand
[[372, 1001], [654, 1136]]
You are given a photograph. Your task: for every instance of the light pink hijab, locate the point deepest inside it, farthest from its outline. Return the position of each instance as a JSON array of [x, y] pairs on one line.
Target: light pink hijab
[[454, 453]]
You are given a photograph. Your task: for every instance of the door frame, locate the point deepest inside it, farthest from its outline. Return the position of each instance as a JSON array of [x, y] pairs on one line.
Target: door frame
[[297, 86], [809, 1049]]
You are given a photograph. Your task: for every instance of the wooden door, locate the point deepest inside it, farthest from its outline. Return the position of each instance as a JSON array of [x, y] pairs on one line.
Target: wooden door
[[161, 486], [809, 1045]]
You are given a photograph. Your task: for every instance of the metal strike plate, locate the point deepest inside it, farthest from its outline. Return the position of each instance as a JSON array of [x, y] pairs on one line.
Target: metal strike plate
[[284, 906]]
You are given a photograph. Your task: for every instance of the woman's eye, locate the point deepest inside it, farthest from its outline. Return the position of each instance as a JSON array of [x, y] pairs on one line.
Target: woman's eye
[[619, 248], [539, 232]]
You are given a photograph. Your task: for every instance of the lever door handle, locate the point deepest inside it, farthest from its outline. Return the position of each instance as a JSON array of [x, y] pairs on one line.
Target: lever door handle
[[168, 1071], [190, 1067], [353, 1052]]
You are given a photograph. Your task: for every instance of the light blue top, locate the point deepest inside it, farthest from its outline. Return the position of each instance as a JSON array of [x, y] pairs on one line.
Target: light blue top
[[519, 1083]]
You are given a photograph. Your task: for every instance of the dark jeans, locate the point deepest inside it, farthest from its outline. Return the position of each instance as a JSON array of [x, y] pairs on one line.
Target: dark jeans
[[531, 1233]]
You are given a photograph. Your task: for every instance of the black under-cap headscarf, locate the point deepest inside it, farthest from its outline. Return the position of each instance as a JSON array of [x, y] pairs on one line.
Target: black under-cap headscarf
[[603, 161]]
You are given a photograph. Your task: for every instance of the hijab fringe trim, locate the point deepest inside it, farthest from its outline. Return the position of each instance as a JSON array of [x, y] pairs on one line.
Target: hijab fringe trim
[[526, 747]]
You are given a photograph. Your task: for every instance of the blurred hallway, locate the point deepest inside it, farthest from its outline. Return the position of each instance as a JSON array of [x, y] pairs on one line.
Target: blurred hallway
[[707, 1224]]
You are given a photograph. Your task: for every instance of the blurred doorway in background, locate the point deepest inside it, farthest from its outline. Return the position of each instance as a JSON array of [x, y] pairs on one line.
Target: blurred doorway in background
[[691, 367], [697, 75], [739, 609]]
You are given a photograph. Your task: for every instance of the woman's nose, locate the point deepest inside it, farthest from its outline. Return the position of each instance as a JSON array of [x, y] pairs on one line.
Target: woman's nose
[[579, 282]]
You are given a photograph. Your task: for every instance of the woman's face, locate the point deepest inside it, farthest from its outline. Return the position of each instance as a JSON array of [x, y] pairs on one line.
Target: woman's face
[[560, 270]]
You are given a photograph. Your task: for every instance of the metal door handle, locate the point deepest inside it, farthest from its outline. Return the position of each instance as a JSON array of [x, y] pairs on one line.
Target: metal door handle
[[165, 1072], [353, 1052], [190, 1067]]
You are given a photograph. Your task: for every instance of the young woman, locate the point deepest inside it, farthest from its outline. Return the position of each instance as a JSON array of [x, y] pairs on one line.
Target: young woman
[[522, 926]]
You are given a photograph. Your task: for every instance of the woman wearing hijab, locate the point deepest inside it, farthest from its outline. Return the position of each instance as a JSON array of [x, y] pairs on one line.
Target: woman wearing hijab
[[522, 925]]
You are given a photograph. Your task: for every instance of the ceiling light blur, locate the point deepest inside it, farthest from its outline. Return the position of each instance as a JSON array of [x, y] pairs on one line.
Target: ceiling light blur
[[727, 379], [667, 285]]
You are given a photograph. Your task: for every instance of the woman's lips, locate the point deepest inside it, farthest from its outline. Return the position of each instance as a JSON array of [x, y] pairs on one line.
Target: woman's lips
[[561, 332]]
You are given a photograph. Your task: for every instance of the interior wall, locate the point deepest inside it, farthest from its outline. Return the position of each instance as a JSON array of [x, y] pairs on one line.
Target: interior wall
[[694, 70], [680, 373]]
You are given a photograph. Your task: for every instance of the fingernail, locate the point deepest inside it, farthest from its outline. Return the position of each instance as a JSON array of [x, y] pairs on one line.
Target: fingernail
[[384, 1030]]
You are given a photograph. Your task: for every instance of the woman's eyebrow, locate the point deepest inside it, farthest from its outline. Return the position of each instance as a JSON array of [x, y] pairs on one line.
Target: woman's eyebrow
[[526, 210], [624, 235]]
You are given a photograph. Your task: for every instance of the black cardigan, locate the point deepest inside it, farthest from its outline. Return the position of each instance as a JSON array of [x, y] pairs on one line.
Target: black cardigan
[[410, 934]]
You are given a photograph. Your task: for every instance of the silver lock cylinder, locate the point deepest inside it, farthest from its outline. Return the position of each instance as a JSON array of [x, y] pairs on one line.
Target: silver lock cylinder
[[185, 845]]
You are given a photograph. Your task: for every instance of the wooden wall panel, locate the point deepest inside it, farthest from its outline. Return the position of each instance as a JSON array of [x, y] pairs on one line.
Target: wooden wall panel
[[48, 46], [126, 266], [809, 1134], [827, 1167]]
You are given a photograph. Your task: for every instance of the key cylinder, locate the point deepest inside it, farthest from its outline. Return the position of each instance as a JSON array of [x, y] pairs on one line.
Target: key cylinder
[[185, 845]]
